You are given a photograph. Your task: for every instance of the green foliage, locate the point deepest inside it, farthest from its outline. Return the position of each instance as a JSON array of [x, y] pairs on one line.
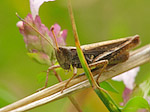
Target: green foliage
[[107, 86], [136, 103]]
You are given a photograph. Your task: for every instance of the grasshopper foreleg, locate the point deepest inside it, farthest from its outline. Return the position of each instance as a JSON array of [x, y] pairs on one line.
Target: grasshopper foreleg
[[46, 81], [74, 74]]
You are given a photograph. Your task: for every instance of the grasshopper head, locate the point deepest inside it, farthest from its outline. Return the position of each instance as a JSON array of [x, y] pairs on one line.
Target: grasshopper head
[[64, 57]]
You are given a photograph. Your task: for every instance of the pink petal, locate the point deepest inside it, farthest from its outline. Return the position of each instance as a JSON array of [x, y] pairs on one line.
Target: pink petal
[[41, 27], [126, 95], [37, 21], [57, 29], [35, 5], [60, 35], [64, 34], [20, 25], [61, 41], [29, 19]]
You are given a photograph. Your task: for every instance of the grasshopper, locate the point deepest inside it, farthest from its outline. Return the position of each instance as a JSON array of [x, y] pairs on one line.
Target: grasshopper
[[99, 55]]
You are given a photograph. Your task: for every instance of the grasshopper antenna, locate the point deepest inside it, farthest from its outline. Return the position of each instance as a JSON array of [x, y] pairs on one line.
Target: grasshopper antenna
[[34, 29], [52, 30]]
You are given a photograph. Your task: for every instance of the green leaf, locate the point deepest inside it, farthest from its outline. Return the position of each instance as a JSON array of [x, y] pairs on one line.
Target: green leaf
[[136, 103], [107, 86]]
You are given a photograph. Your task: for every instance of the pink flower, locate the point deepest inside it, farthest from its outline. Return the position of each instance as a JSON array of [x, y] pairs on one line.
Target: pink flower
[[126, 95], [37, 44]]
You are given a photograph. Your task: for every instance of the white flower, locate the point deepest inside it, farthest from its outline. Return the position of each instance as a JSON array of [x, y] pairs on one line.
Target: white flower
[[35, 5], [128, 77]]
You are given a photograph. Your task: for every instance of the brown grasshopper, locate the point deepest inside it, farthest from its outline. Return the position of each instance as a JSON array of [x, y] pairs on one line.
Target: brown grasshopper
[[100, 55]]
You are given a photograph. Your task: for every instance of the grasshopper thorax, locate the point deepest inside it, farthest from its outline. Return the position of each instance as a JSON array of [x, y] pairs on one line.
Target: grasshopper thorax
[[64, 57]]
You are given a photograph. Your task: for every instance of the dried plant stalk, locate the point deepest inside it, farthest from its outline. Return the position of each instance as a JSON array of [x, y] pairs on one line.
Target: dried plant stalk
[[137, 58]]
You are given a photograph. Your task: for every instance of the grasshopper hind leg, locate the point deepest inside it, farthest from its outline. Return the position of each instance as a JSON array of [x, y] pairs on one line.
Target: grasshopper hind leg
[[103, 64], [119, 58]]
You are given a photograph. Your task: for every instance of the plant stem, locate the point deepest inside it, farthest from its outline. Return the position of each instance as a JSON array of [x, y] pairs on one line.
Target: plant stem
[[104, 96], [107, 100]]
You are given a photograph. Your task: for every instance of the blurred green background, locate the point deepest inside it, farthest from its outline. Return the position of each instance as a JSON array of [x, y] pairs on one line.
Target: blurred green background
[[96, 20]]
